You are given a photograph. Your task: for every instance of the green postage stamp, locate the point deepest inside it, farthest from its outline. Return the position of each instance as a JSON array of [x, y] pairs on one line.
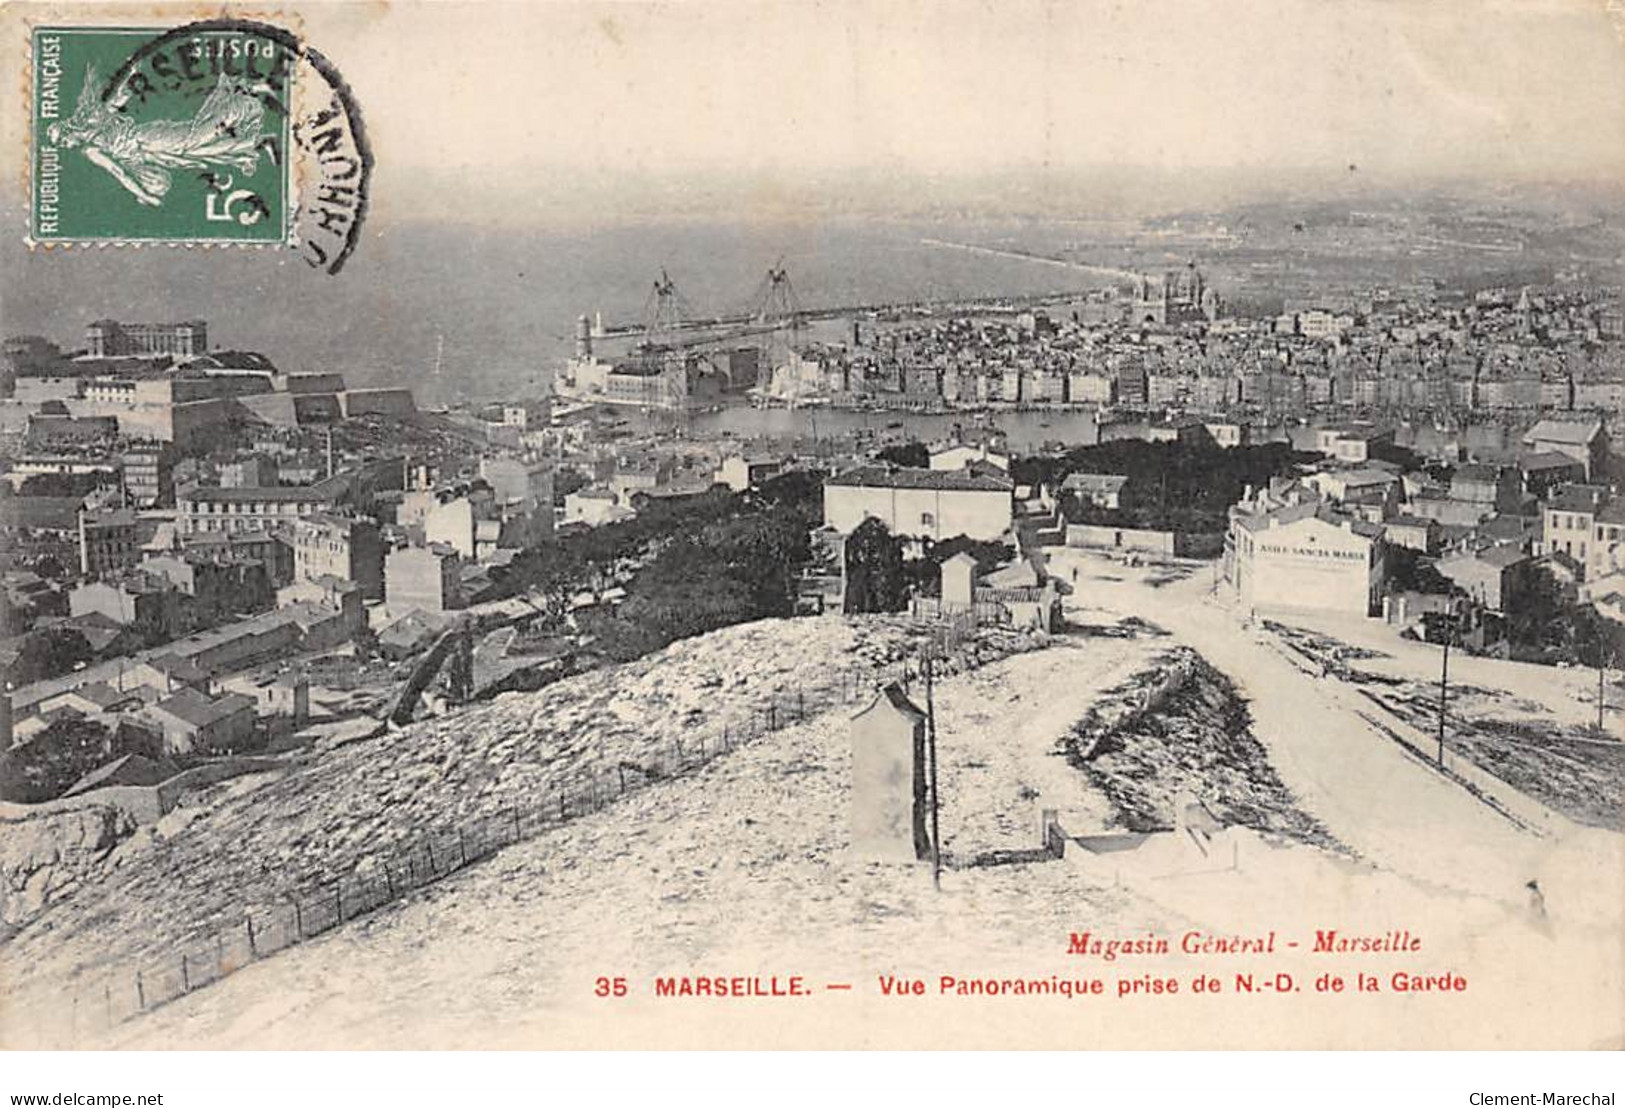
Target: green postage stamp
[[158, 136]]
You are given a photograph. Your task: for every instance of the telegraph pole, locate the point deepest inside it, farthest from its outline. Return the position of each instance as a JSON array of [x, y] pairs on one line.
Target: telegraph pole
[[1444, 677], [1602, 669], [931, 754]]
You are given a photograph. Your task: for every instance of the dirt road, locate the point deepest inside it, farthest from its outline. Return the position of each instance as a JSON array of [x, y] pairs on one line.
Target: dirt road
[[1382, 802]]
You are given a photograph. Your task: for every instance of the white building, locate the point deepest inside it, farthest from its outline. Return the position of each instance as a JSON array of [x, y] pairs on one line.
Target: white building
[[1585, 441], [740, 473], [960, 456], [595, 507], [920, 503], [422, 579], [1293, 558]]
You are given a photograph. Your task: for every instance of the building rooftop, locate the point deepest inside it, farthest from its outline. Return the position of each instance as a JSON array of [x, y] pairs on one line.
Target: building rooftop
[[1577, 498], [1572, 432], [1506, 526], [1479, 471], [1357, 431], [194, 708], [1094, 482], [1294, 514], [44, 513], [132, 582], [280, 494], [332, 521], [894, 697], [902, 477], [1500, 556], [132, 769], [1365, 475], [1546, 459], [178, 666]]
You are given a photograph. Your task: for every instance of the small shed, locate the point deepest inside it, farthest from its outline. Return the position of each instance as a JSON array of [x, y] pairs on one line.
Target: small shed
[[959, 580], [888, 780]]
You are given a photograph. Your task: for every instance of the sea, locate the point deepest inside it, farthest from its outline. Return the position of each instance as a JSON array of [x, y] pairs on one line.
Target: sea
[[468, 314]]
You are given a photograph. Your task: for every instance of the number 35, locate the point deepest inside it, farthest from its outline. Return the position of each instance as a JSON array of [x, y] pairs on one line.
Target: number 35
[[610, 986]]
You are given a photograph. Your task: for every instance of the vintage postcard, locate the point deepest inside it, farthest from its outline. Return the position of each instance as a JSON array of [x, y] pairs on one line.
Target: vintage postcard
[[813, 525]]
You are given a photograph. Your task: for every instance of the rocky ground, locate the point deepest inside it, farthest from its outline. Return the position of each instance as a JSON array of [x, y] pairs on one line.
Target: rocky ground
[[1510, 728], [743, 869], [741, 866], [1180, 728], [49, 858]]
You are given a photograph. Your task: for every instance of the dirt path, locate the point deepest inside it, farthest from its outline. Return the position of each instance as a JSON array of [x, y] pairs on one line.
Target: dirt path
[[1004, 725], [1369, 793]]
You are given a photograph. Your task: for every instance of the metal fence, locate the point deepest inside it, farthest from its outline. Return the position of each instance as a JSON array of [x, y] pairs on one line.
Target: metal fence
[[126, 992]]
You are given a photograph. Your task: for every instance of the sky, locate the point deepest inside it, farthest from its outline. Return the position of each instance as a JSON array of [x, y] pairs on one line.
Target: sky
[[782, 97], [492, 109]]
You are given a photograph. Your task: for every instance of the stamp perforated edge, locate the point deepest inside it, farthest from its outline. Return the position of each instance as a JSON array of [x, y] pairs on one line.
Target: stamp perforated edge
[[292, 22]]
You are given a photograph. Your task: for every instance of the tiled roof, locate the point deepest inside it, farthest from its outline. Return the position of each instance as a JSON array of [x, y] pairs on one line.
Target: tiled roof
[[1503, 556], [49, 513], [903, 477], [1575, 433], [1547, 459], [200, 711], [1366, 475], [282, 494], [1576, 498]]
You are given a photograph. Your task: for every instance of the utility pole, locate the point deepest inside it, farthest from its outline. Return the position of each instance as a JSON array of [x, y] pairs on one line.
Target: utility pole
[[1601, 691], [931, 754], [1444, 677]]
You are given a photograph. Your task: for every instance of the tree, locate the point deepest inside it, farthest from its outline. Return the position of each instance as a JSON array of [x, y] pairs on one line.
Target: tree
[[925, 574], [50, 566], [49, 652], [912, 455], [801, 490], [874, 569], [1411, 571], [1441, 627], [1172, 486], [1598, 642], [565, 482], [45, 767], [64, 484]]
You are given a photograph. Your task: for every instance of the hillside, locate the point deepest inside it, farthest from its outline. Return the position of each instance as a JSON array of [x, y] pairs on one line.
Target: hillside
[[742, 869], [254, 845]]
